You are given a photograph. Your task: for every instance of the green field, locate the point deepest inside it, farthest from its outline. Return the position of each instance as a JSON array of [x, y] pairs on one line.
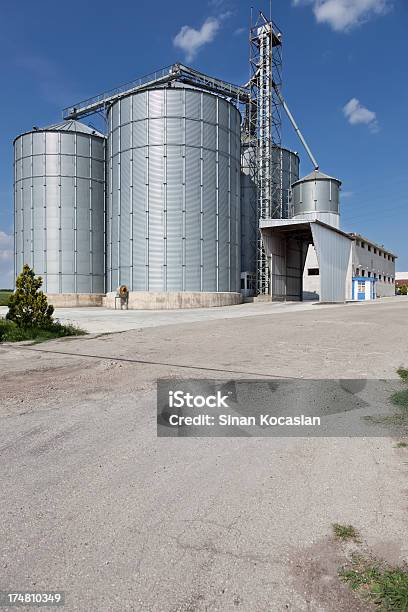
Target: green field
[[4, 296]]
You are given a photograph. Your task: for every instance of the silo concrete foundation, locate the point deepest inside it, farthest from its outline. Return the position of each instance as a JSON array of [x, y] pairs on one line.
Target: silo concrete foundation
[[151, 300]]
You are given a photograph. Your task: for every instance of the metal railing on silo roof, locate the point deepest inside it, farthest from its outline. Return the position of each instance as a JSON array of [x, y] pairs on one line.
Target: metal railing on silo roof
[[174, 72]]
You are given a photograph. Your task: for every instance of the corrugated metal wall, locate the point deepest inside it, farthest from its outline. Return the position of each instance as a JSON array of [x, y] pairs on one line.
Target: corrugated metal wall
[[59, 209], [316, 196], [249, 205], [289, 173], [173, 213], [334, 255]]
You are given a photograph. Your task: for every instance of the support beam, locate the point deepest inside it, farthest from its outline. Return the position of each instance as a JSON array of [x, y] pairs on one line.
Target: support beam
[[296, 127]]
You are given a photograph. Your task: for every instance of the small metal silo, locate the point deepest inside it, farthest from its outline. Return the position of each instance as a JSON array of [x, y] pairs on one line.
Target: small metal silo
[[317, 197]]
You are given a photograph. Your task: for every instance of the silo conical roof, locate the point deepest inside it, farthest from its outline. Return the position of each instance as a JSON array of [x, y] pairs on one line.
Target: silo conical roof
[[316, 175], [73, 126]]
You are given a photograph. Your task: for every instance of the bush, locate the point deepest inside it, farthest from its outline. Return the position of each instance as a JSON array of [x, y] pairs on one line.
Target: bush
[[10, 332], [28, 306], [403, 290]]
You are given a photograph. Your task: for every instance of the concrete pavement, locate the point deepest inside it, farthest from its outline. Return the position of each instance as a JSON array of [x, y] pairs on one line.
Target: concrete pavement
[[94, 504], [103, 320]]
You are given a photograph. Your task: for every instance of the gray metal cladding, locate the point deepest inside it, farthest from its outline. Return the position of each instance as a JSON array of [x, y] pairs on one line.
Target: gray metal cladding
[[288, 162], [173, 211], [334, 254], [59, 208], [249, 204], [318, 193]]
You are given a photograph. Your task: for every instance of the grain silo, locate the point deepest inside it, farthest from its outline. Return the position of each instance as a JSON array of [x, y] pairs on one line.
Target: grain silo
[[317, 197], [288, 171], [173, 212], [288, 161], [59, 208]]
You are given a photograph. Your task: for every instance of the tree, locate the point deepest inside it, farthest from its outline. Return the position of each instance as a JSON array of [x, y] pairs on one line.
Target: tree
[[403, 290], [28, 306]]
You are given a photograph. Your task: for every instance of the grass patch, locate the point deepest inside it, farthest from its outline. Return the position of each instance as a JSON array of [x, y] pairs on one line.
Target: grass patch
[[10, 332], [403, 374], [346, 532], [399, 418], [387, 588], [400, 399], [4, 297], [401, 445]]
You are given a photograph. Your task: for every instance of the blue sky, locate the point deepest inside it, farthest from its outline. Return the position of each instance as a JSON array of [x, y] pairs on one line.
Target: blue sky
[[345, 79]]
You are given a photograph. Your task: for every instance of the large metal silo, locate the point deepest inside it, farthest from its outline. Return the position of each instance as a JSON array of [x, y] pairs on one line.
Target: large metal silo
[[59, 206], [317, 196], [173, 215], [288, 162]]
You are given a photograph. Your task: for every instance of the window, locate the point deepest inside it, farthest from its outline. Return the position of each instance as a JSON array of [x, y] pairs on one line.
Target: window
[[313, 272], [375, 251], [369, 248], [362, 272], [363, 245], [369, 275], [379, 277], [361, 287], [242, 283]]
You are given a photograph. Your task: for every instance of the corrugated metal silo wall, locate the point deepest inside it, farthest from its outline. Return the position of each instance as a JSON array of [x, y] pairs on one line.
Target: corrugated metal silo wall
[[319, 195], [289, 173], [289, 164], [59, 209], [173, 217], [249, 203]]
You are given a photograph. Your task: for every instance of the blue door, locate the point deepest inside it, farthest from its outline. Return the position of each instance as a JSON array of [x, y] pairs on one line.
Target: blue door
[[361, 295]]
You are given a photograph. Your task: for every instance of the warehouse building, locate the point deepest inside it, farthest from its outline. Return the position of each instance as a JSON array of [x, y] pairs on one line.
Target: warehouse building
[[372, 270]]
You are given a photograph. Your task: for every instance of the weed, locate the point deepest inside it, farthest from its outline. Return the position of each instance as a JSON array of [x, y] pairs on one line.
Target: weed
[[400, 399], [386, 587], [403, 374], [388, 419], [346, 532]]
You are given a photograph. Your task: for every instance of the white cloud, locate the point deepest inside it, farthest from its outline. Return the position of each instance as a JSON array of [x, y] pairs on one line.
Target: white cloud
[[343, 15], [6, 261], [356, 113], [190, 40], [239, 31]]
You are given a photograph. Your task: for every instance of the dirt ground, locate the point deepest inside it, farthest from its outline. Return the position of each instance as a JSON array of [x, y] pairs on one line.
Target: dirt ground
[[94, 504]]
